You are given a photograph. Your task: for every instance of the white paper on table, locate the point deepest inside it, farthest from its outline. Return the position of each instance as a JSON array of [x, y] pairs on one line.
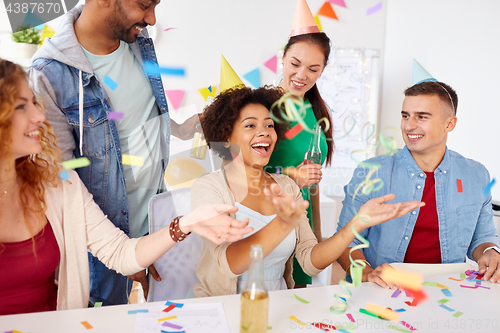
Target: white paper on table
[[194, 318]]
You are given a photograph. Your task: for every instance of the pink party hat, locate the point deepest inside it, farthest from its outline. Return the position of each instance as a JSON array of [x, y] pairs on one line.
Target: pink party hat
[[303, 22]]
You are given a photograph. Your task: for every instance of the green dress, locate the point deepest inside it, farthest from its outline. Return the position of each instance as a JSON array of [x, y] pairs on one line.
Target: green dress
[[290, 153]]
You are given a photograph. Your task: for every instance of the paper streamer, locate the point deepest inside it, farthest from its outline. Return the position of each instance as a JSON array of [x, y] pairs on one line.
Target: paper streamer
[[446, 292], [76, 163], [301, 299], [86, 325], [132, 160], [138, 311], [374, 9], [115, 115]]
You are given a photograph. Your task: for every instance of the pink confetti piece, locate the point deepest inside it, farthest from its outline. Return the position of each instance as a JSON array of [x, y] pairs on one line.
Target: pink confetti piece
[[169, 29], [169, 324], [115, 115], [468, 286], [408, 326], [338, 2], [396, 293], [407, 293], [350, 317], [374, 9]]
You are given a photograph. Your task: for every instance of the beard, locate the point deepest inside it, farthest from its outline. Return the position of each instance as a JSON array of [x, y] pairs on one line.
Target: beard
[[118, 28]]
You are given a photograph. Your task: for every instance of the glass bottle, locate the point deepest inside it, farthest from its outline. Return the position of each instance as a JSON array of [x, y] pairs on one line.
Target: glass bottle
[[254, 299], [313, 153], [199, 147]]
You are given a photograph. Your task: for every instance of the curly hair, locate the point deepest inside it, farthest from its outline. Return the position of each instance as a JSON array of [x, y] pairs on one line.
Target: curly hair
[[221, 115], [33, 171]]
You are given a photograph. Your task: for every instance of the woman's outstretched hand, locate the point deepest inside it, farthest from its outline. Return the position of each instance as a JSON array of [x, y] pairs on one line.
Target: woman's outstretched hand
[[209, 221], [284, 206], [376, 211]]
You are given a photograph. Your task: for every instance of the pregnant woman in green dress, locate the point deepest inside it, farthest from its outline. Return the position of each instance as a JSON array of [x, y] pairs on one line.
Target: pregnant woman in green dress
[[304, 59]]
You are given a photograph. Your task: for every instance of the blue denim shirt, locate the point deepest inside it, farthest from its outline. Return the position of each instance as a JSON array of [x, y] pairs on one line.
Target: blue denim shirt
[[465, 219], [54, 77]]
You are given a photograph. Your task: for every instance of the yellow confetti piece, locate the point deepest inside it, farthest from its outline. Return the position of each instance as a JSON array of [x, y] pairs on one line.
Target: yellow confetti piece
[[14, 331], [384, 312], [167, 318], [402, 278], [87, 325], [297, 321], [132, 160], [76, 163], [442, 286]]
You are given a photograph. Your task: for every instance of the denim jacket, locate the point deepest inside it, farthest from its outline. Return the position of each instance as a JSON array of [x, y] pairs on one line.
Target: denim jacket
[[465, 218], [55, 79]]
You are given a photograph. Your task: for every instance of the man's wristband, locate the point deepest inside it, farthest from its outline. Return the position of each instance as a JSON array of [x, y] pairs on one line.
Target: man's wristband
[[496, 248]]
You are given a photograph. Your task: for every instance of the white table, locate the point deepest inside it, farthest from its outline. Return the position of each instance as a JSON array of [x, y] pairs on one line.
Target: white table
[[480, 309]]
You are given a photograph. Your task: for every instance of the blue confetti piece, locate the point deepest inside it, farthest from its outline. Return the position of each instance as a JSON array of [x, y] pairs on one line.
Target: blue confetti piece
[[445, 307], [138, 311], [152, 69], [210, 88], [400, 310], [178, 305], [162, 331], [487, 189], [447, 292], [110, 83], [64, 175]]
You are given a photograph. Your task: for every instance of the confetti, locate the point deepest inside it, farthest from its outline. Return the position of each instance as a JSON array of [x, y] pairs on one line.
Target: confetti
[[301, 299], [455, 279], [350, 317], [138, 311], [468, 286], [290, 134], [110, 83], [152, 69], [396, 293], [400, 310], [97, 304], [487, 189], [86, 325], [177, 327], [179, 305], [169, 308], [132, 160], [430, 284], [408, 326], [297, 321], [115, 115], [167, 318], [444, 300], [76, 163], [462, 275], [169, 29], [445, 307], [398, 329], [457, 314], [459, 185], [64, 175], [384, 312], [366, 312], [447, 292], [406, 279], [162, 331], [374, 9]]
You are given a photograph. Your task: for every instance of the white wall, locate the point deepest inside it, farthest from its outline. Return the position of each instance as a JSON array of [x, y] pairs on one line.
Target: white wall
[[457, 41]]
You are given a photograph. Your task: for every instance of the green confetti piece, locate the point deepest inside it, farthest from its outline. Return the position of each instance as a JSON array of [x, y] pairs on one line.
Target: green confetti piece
[[269, 328], [301, 299], [76, 163], [430, 284], [371, 314], [457, 314], [399, 329], [462, 275], [444, 300], [97, 304]]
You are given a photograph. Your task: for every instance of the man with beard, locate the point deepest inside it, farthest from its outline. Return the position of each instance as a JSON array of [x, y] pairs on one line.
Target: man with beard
[[92, 66]]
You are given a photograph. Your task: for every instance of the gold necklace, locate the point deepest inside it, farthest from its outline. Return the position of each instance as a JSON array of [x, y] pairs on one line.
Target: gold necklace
[[8, 187]]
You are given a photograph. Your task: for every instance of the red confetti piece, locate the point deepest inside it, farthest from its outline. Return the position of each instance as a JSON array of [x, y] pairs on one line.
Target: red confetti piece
[[459, 185], [290, 134], [169, 308]]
